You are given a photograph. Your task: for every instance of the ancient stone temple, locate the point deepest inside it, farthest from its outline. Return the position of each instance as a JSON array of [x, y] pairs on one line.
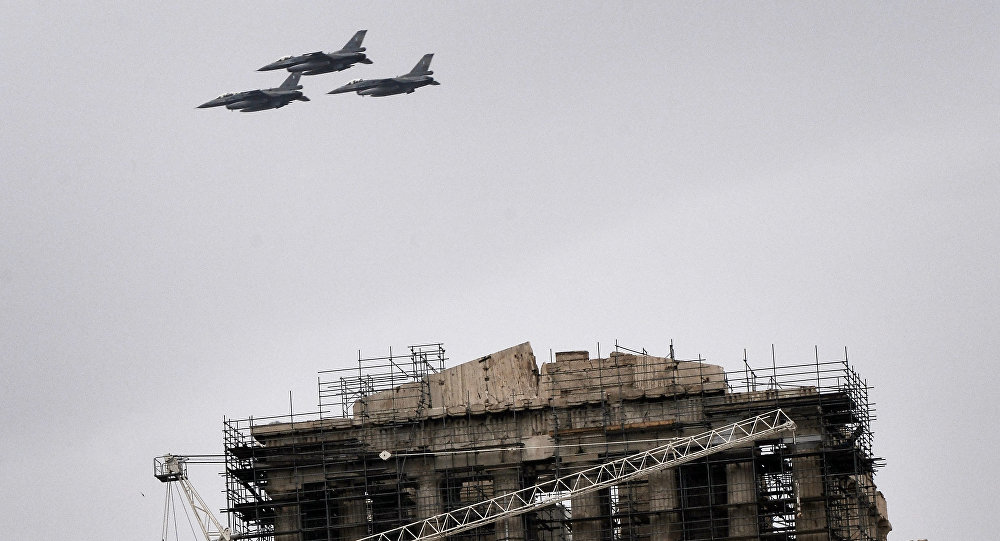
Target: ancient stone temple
[[401, 438]]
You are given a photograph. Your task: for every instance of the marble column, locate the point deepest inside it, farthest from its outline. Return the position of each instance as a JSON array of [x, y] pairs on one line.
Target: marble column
[[664, 520], [807, 473], [742, 497], [511, 528], [428, 496], [587, 517], [354, 518]]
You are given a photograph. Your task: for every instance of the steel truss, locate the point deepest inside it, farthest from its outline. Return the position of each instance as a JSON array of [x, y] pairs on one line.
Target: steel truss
[[592, 479]]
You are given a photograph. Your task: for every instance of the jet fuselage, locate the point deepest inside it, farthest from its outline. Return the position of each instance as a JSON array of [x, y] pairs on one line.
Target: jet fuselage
[[258, 100], [419, 76], [320, 62], [386, 87], [393, 88], [338, 63]]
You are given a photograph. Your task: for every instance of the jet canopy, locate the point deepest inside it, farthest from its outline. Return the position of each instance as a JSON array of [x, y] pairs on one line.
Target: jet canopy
[[226, 95]]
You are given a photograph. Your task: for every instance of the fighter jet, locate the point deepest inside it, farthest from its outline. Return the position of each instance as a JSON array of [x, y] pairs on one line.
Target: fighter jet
[[419, 76], [258, 100], [320, 62]]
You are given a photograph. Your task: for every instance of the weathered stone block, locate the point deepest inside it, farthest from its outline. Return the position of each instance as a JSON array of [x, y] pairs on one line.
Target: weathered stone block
[[572, 356], [499, 378]]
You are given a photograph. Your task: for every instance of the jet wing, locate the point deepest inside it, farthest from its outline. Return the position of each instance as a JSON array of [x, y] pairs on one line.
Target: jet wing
[[405, 79], [340, 56], [275, 93]]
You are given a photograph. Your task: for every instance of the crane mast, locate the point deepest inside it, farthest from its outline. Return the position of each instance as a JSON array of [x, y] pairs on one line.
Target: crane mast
[[172, 469]]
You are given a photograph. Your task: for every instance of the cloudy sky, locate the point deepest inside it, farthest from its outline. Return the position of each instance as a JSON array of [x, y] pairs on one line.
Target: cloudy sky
[[723, 175]]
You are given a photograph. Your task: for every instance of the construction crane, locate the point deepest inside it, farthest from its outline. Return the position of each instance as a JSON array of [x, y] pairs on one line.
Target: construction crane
[[665, 456], [170, 468], [173, 469]]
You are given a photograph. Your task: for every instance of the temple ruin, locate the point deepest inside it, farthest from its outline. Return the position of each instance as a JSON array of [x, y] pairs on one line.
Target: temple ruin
[[400, 438]]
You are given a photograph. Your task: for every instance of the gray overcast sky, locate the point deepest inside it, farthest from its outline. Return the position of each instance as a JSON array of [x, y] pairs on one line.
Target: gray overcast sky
[[726, 175]]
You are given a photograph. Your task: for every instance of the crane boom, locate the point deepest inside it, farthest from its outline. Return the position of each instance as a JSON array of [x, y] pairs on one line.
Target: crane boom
[[672, 454]]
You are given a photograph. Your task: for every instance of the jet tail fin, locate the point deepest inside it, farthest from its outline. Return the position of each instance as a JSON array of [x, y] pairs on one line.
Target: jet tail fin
[[422, 67], [292, 81], [354, 45]]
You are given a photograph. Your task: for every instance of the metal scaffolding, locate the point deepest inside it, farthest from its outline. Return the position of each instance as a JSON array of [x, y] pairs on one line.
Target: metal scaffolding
[[390, 446]]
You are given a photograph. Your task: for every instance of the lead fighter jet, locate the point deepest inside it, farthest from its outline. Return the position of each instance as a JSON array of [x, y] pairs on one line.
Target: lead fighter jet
[[320, 62], [419, 76], [258, 100]]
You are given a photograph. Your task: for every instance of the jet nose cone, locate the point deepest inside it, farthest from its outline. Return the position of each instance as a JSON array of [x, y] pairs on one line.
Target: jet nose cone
[[221, 100], [271, 66]]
